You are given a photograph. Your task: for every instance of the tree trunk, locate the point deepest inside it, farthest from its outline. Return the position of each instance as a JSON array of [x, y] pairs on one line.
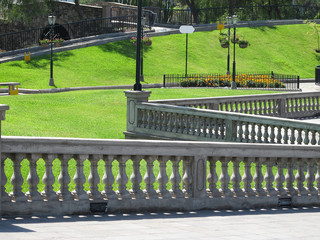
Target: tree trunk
[[194, 10]]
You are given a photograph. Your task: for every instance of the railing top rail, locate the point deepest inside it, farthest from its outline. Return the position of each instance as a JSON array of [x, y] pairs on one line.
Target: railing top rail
[[242, 97], [32, 145], [232, 116]]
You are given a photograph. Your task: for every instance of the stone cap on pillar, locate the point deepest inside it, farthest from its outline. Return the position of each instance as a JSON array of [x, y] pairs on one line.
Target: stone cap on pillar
[[3, 109], [139, 96]]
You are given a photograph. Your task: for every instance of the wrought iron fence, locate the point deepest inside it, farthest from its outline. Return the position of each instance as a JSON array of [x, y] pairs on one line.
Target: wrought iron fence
[[31, 37], [245, 80], [245, 13]]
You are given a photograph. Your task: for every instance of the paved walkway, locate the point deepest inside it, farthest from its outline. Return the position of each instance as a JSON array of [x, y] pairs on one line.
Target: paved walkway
[[250, 224]]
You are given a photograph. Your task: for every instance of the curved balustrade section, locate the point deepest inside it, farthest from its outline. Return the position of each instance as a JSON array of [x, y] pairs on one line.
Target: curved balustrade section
[[68, 176], [286, 105], [185, 123]]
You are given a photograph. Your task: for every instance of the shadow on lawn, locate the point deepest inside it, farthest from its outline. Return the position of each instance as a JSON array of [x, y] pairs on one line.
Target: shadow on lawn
[[263, 28], [124, 48]]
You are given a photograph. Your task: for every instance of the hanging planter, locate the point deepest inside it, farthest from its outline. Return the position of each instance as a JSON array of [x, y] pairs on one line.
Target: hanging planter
[[235, 39], [243, 45], [147, 43], [58, 42], [224, 44], [44, 42]]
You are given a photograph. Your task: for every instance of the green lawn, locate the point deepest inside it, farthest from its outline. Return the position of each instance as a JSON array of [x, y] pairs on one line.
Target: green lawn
[[282, 49]]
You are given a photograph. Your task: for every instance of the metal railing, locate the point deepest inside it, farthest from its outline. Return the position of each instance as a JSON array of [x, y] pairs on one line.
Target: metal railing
[[247, 80], [245, 13], [91, 27]]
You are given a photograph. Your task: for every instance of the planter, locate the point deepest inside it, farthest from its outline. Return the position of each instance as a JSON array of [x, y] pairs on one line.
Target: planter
[[44, 44], [236, 41], [134, 43], [225, 44], [58, 44], [243, 45], [317, 50], [147, 43]]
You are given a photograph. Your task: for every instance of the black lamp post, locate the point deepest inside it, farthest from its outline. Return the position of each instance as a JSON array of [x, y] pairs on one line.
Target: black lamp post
[[234, 22], [229, 22], [143, 23], [52, 21], [137, 86]]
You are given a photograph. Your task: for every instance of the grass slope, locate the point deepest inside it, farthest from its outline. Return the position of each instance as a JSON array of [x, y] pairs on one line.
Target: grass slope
[[282, 49], [84, 114]]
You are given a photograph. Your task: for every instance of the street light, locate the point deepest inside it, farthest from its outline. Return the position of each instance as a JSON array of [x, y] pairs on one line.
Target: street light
[[143, 23], [137, 86], [234, 22], [229, 22], [52, 21]]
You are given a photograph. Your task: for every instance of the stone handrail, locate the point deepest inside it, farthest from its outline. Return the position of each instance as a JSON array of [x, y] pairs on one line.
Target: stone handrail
[[287, 105], [162, 121], [182, 164]]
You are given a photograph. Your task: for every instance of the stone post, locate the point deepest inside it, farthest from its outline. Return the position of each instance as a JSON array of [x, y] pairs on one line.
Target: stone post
[[134, 97], [3, 109], [199, 173]]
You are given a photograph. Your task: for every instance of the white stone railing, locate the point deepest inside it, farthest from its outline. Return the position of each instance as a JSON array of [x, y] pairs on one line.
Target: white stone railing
[[155, 175], [153, 120], [287, 105]]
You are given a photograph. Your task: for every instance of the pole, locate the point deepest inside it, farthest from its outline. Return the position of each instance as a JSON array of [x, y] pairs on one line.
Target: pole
[[186, 72], [141, 73], [51, 82], [234, 85], [228, 59], [137, 86]]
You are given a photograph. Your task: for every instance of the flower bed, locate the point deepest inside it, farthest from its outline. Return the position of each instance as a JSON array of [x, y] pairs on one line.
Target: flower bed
[[242, 80]]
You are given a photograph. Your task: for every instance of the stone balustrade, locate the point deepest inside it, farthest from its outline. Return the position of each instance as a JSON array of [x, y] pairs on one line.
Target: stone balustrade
[[138, 175], [287, 105], [156, 120]]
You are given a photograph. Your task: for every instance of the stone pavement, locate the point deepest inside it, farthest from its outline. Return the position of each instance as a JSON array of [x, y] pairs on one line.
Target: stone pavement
[[249, 224]]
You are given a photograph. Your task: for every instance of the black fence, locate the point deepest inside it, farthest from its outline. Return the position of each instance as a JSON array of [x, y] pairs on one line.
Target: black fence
[[243, 80], [245, 13], [31, 37]]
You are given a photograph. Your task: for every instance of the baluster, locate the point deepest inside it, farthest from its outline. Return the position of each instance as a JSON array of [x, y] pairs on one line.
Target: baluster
[[306, 137], [149, 178], [165, 122], [240, 132], [236, 177], [300, 179], [162, 177], [149, 119], [79, 178], [290, 177], [136, 178], [192, 131], [313, 138], [258, 178], [210, 127], [187, 176], [241, 107], [17, 179], [224, 178], [213, 177], [279, 179], [154, 120], [222, 131], [175, 122], [246, 132], [266, 134], [175, 177], [310, 177], [33, 179], [64, 178], [299, 138], [272, 135], [159, 122], [4, 195], [94, 178], [292, 137], [253, 133], [269, 177], [279, 136], [198, 126], [216, 128], [285, 136], [108, 178], [317, 176], [122, 178], [247, 177], [255, 107], [186, 127], [245, 107], [49, 179], [145, 118]]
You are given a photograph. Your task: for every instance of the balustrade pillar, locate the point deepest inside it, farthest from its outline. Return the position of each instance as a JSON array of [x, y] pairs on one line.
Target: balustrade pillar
[[162, 177], [269, 177], [187, 176], [149, 177], [64, 178], [290, 177], [17, 179], [310, 178], [258, 177], [94, 178], [108, 178], [136, 178], [247, 177], [79, 178], [213, 177], [280, 178], [4, 196], [300, 178], [3, 109], [225, 178], [122, 178], [33, 179], [175, 177], [49, 179], [236, 177]]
